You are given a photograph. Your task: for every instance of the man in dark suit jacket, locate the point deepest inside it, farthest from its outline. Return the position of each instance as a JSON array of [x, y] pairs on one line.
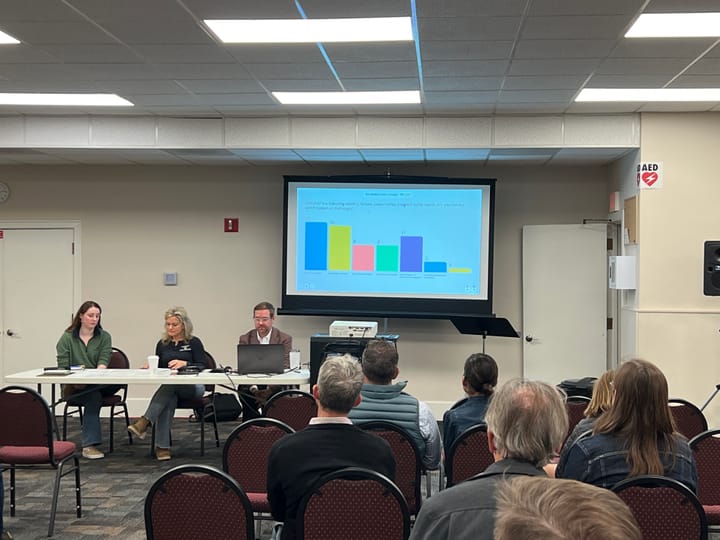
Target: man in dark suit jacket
[[253, 397], [329, 443], [264, 333]]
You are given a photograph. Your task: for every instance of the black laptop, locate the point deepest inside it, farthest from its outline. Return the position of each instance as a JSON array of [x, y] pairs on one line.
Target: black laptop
[[266, 359]]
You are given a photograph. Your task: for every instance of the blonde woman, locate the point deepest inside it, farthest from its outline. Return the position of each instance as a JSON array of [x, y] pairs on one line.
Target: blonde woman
[[177, 349]]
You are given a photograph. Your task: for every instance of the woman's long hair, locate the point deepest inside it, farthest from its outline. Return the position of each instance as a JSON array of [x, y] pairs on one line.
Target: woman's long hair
[[179, 313], [640, 415], [75, 324], [601, 395]]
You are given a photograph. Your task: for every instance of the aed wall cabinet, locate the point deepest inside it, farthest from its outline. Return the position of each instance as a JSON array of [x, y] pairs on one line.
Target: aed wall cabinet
[[622, 273]]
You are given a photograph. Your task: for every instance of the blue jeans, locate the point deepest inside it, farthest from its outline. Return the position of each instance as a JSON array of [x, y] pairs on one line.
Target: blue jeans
[[162, 408], [91, 399]]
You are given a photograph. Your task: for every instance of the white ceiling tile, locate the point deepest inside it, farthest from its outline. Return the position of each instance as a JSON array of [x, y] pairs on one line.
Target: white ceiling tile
[[563, 48], [189, 133], [186, 54], [572, 66], [575, 27], [464, 68], [357, 70], [556, 82], [466, 50], [450, 84], [468, 28]]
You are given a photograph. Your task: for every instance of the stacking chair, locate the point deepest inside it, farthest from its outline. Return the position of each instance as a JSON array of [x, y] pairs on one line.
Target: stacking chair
[[203, 409], [575, 406], [293, 407], [27, 442], [706, 449], [689, 419], [469, 455], [197, 501], [408, 462], [245, 458], [118, 360], [664, 508], [353, 504]]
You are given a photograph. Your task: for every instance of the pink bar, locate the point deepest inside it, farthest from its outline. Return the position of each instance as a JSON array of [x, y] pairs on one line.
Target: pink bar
[[363, 258]]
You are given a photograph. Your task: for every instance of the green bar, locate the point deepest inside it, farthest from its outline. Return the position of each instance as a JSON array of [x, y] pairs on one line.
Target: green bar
[[339, 247], [387, 258]]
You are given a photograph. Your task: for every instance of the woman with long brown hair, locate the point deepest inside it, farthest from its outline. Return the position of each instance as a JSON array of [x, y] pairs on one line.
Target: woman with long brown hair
[[635, 436]]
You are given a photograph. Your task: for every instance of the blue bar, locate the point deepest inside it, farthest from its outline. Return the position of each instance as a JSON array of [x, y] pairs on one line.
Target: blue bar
[[316, 245], [435, 266]]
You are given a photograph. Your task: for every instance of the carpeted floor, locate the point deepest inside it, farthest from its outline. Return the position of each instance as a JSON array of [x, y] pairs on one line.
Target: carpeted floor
[[113, 488]]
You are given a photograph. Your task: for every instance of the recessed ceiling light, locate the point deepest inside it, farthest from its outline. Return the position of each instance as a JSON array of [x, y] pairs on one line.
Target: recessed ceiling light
[[649, 94], [7, 39], [312, 30], [347, 98], [73, 100], [652, 25]]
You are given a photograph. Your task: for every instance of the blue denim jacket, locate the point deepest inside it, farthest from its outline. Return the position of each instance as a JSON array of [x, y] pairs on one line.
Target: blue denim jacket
[[457, 420], [602, 460]]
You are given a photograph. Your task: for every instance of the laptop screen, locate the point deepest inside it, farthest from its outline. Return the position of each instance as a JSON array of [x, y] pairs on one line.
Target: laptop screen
[[256, 358]]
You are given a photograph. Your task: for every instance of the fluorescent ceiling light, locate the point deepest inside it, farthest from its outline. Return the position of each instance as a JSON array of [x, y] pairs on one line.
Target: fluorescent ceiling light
[[347, 98], [73, 100], [650, 25], [312, 30], [649, 94], [7, 38]]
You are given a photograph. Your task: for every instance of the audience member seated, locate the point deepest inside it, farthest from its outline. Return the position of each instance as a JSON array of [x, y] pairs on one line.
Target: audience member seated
[[253, 397], [636, 436], [601, 400], [479, 379], [547, 509], [178, 349], [527, 422], [385, 401], [329, 443], [85, 343]]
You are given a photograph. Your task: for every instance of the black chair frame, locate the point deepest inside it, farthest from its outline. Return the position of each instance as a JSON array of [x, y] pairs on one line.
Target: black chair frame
[[53, 464], [229, 481], [353, 473], [653, 481], [122, 405]]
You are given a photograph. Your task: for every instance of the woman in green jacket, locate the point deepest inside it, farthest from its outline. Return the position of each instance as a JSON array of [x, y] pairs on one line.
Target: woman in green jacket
[[85, 343]]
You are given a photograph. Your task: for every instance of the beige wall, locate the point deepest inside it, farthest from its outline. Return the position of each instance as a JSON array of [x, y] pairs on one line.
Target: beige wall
[[677, 324], [138, 222]]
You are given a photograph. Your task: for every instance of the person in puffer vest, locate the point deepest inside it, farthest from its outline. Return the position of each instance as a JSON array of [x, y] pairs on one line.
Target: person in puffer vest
[[382, 400]]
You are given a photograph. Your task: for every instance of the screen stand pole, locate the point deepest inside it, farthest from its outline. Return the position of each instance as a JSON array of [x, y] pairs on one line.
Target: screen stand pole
[[717, 389], [385, 321], [484, 335]]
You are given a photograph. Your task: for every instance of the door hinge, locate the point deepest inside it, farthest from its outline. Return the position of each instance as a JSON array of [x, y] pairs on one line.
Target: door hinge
[[609, 323], [609, 244], [72, 248]]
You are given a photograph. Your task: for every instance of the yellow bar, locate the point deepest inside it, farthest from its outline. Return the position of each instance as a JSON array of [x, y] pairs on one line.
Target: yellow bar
[[456, 270], [339, 247]]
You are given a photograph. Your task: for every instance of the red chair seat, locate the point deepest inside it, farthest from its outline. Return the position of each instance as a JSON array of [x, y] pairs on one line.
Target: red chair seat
[[28, 455], [259, 502], [712, 512]]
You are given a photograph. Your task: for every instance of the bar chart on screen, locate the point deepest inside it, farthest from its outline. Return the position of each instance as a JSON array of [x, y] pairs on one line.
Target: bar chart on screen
[[396, 241]]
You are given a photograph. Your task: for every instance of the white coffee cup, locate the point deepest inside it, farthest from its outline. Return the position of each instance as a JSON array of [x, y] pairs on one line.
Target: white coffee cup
[[152, 362]]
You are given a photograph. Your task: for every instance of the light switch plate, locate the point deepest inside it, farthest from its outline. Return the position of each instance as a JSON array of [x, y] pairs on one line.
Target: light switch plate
[[170, 278]]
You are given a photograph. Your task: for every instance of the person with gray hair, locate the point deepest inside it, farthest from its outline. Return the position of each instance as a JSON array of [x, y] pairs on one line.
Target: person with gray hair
[[548, 509], [329, 443], [527, 423]]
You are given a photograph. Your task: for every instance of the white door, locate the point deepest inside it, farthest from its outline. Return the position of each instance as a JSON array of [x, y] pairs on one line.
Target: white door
[[36, 295], [564, 270]]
